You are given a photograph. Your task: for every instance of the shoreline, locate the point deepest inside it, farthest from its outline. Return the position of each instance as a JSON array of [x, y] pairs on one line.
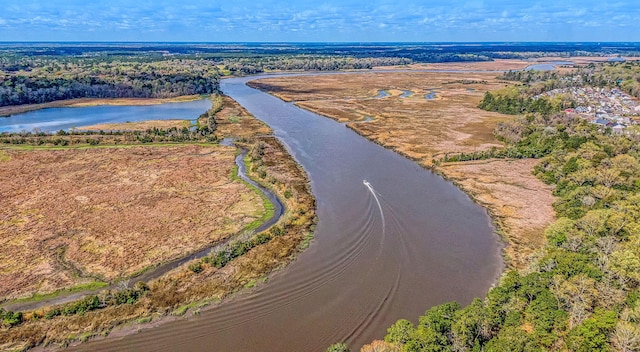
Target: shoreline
[[511, 235], [7, 111]]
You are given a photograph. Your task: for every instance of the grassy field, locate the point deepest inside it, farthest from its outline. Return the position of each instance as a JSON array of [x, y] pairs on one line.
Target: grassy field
[[518, 201], [136, 126], [503, 64], [425, 116], [79, 215], [496, 65]]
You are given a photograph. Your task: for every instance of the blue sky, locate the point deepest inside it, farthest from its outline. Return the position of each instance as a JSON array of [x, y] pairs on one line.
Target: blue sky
[[319, 20]]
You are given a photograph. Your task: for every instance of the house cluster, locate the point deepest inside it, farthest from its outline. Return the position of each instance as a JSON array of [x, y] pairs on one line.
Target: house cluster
[[602, 106]]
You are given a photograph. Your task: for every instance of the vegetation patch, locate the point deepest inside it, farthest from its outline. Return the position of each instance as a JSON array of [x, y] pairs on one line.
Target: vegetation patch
[[138, 126], [45, 296], [4, 156]]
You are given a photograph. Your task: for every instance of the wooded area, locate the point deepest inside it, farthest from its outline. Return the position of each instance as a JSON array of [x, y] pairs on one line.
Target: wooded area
[[34, 80]]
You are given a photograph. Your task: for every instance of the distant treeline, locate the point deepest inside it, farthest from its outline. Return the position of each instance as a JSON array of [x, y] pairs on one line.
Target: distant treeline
[[39, 81], [252, 65], [414, 51], [47, 72]]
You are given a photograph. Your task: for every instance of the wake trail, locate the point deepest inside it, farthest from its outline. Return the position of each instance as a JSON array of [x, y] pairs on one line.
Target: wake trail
[[373, 192]]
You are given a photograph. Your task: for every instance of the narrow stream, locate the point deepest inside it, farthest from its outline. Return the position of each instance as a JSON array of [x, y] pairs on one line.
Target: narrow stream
[[426, 243]]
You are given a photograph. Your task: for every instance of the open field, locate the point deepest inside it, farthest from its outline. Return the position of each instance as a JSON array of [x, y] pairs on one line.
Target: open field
[[83, 102], [427, 129], [137, 126], [78, 215], [502, 64]]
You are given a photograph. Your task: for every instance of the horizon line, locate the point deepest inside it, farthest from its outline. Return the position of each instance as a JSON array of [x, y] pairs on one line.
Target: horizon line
[[316, 42]]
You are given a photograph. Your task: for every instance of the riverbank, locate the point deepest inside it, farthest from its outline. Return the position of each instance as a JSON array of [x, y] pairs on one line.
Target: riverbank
[[85, 102], [427, 130]]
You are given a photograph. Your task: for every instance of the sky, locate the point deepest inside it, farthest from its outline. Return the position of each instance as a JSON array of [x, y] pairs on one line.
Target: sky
[[319, 20]]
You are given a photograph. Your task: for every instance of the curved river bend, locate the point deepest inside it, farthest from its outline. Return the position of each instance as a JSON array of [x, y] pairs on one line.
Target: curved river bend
[[358, 276]]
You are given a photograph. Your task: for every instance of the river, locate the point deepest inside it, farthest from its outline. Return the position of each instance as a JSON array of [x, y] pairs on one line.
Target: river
[[55, 119], [371, 263]]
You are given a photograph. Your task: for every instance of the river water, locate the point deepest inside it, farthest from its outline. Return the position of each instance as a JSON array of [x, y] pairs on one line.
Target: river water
[[55, 119], [426, 243]]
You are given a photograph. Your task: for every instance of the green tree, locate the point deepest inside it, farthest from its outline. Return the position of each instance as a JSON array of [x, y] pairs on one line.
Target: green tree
[[593, 333], [338, 347], [399, 332]]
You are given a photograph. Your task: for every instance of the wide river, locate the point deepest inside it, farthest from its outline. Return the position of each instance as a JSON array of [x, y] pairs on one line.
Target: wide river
[[426, 243]]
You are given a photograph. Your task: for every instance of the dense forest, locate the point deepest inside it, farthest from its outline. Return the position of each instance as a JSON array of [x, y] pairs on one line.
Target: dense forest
[[513, 101], [582, 292]]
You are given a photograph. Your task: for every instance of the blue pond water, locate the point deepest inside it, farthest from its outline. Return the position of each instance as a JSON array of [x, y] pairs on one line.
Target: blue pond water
[[406, 94], [55, 119], [550, 66], [382, 94], [431, 95]]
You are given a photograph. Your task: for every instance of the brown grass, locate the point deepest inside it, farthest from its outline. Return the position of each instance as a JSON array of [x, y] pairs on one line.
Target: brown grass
[[517, 199], [108, 213], [424, 130], [234, 121], [137, 126], [501, 64], [134, 101], [380, 346]]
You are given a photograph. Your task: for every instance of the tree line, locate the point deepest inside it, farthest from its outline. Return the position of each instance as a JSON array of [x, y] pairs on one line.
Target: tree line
[[511, 101], [40, 81]]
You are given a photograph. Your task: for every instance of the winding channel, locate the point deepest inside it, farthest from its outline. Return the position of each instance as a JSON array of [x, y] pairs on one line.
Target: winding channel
[[425, 243]]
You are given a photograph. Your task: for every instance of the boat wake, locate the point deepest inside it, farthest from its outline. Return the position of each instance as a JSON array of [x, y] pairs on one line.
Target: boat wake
[[373, 192]]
